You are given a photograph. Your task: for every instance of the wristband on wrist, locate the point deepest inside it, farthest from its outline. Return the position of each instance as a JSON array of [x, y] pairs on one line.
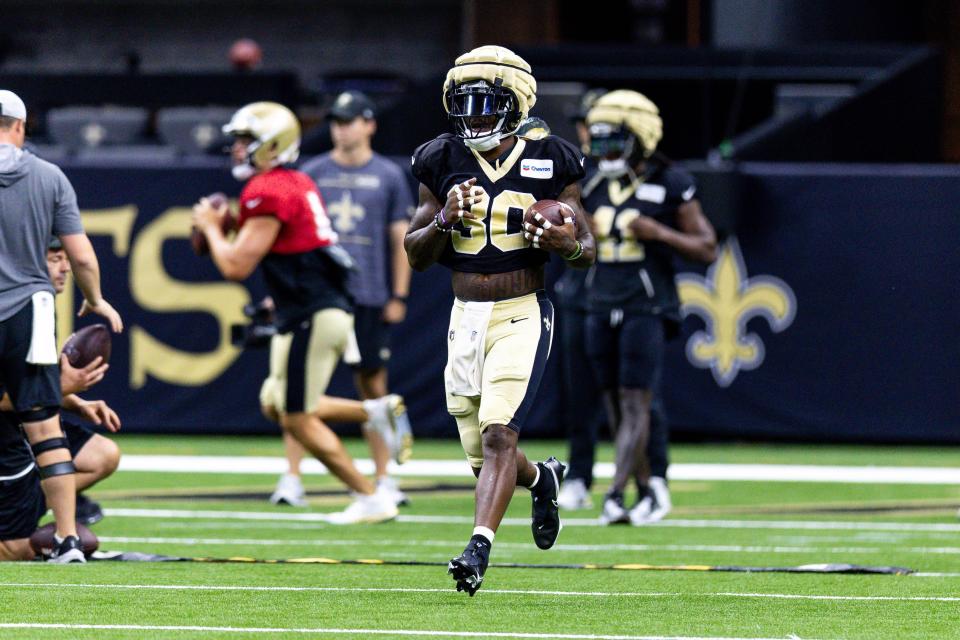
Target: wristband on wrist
[[576, 253], [402, 299], [440, 222]]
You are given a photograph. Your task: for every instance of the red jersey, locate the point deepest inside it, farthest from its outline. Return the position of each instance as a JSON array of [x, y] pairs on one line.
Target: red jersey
[[291, 197], [299, 273]]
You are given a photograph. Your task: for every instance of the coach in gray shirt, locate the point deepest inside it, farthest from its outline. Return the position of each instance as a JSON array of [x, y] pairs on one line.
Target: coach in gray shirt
[[36, 202]]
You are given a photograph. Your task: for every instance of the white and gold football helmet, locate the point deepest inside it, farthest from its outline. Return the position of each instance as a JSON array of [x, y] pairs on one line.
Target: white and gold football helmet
[[625, 128], [487, 93], [275, 132]]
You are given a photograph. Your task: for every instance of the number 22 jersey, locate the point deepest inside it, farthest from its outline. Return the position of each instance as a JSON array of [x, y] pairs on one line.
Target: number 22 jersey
[[532, 170], [629, 274]]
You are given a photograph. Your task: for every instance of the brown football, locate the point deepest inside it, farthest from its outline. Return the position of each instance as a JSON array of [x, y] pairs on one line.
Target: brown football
[[41, 540], [83, 346], [228, 223], [550, 210]]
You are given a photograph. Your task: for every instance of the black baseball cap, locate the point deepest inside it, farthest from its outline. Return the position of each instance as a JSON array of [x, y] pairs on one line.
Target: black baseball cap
[[351, 104], [54, 244]]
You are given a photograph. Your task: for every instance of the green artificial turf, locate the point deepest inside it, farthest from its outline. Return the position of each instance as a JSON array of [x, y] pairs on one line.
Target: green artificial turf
[[754, 524]]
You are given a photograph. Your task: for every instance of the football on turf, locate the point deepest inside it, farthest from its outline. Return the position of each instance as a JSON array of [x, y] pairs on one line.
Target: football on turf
[[228, 223], [550, 210], [42, 540], [85, 345]]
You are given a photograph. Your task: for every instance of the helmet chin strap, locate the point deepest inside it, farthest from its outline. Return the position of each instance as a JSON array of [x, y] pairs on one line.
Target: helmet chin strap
[[486, 143], [243, 172]]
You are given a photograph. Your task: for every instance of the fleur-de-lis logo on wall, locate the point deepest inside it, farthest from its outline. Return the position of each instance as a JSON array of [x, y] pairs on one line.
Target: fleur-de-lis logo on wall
[[726, 299], [345, 213]]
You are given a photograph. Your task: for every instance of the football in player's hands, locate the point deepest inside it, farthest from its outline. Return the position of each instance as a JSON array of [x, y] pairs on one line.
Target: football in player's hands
[[42, 543], [552, 211], [85, 345], [228, 223]]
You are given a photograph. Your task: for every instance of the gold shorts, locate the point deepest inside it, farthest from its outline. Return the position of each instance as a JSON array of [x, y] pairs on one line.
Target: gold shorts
[[303, 360], [516, 347]]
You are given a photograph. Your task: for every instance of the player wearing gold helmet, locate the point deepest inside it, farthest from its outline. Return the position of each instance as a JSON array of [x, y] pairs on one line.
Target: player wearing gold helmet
[[475, 186], [284, 226], [644, 211]]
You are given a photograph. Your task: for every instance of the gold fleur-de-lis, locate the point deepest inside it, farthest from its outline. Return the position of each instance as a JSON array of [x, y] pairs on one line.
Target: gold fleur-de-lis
[[345, 213], [726, 299]]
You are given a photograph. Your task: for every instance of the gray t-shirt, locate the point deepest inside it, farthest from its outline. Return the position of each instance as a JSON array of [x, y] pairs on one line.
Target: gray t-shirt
[[362, 202], [36, 202]]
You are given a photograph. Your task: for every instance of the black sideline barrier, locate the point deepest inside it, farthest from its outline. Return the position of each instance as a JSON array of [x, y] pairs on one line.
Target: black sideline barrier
[[855, 266]]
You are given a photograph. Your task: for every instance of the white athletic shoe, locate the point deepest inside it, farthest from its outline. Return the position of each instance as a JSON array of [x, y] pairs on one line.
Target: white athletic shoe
[[574, 495], [661, 503], [388, 417], [640, 513], [378, 507], [389, 486], [613, 511], [289, 491]]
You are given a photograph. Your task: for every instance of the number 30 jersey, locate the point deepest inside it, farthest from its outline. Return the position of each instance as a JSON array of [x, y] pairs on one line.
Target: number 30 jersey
[[631, 275], [532, 170]]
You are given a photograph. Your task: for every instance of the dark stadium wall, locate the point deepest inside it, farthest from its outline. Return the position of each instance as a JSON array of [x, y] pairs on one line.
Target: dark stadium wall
[[855, 266]]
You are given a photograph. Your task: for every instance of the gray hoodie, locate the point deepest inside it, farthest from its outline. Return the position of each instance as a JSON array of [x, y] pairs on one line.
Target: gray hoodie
[[36, 201]]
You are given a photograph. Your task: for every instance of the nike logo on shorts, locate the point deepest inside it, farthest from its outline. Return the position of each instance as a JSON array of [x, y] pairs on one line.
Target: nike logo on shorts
[[516, 320]]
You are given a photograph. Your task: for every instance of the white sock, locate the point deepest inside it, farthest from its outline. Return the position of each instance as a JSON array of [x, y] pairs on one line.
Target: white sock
[[485, 532], [536, 478]]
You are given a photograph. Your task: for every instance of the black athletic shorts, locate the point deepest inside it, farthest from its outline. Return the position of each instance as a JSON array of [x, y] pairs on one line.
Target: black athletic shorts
[[373, 338], [625, 348], [77, 436], [30, 386], [21, 506]]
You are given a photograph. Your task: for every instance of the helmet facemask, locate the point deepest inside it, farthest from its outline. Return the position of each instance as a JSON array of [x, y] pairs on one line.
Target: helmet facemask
[[246, 169], [483, 114], [616, 149]]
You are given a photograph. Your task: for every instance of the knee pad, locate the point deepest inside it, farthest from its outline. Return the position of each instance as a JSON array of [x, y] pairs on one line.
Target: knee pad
[[464, 411], [57, 468], [49, 445]]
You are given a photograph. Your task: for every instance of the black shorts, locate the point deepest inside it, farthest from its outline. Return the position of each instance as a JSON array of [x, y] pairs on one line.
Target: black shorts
[[625, 348], [34, 389], [21, 506], [373, 338], [77, 436]]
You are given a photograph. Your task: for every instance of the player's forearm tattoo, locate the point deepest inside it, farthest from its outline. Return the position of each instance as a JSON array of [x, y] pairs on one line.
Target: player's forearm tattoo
[[497, 286]]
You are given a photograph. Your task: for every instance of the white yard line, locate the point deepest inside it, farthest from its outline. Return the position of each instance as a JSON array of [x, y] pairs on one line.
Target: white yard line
[[486, 592], [459, 469], [359, 632], [520, 545], [817, 525]]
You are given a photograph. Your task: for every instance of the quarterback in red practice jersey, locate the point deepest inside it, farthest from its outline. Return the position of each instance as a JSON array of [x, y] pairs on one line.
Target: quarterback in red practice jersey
[[284, 227]]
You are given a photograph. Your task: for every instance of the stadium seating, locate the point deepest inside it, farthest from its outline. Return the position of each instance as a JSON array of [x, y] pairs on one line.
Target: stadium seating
[[192, 130], [88, 127]]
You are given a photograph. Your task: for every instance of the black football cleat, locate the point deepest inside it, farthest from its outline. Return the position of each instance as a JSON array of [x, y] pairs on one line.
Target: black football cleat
[[546, 523], [67, 550], [468, 567], [88, 511]]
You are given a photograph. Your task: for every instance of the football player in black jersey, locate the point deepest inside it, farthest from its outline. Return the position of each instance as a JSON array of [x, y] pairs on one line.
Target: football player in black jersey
[[644, 211], [475, 186]]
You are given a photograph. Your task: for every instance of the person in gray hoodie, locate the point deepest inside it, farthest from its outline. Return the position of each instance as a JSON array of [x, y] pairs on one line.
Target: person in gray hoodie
[[36, 202]]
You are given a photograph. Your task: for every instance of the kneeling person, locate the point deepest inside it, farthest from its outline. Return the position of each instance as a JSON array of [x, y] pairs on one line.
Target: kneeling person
[[22, 502]]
